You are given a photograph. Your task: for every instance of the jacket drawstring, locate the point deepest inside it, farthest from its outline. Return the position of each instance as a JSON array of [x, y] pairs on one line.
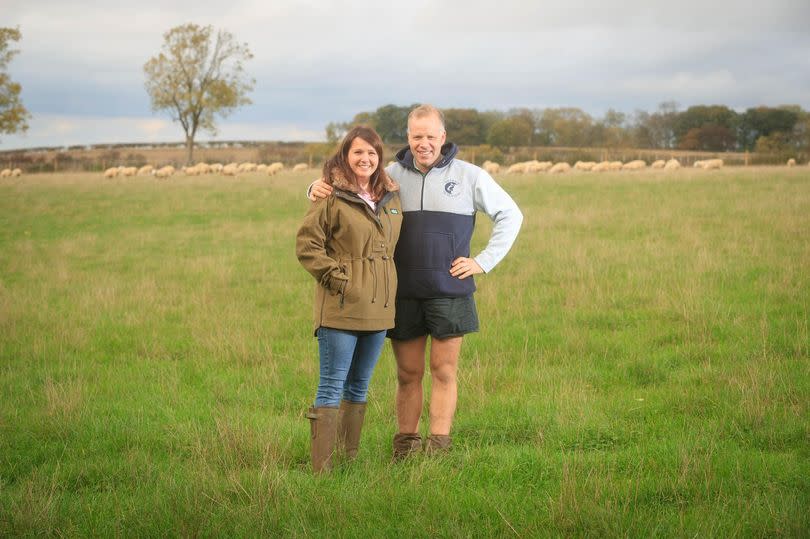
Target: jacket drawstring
[[374, 276], [387, 289]]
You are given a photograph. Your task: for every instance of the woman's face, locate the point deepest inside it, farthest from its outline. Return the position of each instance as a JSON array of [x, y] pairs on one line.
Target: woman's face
[[362, 159]]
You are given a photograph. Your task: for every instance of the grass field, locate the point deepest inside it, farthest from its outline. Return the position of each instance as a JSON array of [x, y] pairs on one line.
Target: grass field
[[642, 368]]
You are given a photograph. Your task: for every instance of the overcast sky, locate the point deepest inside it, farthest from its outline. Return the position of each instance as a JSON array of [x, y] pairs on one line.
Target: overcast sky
[[81, 61]]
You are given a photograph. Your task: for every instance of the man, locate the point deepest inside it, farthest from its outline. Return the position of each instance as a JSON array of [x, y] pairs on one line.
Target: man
[[440, 197]]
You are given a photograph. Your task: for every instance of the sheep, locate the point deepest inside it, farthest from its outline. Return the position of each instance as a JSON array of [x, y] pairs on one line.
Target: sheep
[[584, 165], [491, 167], [5, 173], [533, 167], [111, 172], [791, 162], [261, 168], [517, 168], [615, 165], [129, 171], [275, 167], [604, 166], [672, 164], [660, 163], [709, 164], [164, 172], [638, 164], [146, 170], [559, 168], [300, 167], [215, 168], [16, 173], [713, 163], [231, 169], [246, 167]]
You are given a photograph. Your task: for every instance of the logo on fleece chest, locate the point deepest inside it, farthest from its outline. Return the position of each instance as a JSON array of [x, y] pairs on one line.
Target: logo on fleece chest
[[451, 188]]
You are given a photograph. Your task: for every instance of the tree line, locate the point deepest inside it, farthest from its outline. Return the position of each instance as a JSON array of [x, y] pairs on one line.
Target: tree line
[[716, 128]]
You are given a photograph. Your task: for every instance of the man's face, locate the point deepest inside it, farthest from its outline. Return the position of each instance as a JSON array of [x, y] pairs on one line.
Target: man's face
[[425, 137]]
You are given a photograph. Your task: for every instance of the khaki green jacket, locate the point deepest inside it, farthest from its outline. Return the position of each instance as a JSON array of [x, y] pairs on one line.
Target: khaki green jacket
[[349, 249]]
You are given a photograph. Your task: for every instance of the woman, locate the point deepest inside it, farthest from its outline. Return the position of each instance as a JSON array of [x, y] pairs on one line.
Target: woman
[[347, 243]]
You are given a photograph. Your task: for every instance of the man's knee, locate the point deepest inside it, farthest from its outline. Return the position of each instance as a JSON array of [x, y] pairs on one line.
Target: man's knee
[[410, 374]]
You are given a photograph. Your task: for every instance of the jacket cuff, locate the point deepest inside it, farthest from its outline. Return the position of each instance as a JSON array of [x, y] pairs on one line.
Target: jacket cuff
[[334, 282]]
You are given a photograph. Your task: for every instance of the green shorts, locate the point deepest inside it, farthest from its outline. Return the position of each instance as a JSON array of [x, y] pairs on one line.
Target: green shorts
[[440, 317]]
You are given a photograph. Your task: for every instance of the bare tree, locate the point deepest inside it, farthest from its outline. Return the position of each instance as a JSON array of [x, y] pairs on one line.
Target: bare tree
[[13, 114], [197, 77]]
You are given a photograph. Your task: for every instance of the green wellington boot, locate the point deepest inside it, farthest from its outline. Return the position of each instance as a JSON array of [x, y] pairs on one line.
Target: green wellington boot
[[323, 423], [351, 424]]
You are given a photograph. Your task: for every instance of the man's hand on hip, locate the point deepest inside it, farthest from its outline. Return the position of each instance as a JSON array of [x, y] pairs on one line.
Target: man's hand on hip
[[464, 267]]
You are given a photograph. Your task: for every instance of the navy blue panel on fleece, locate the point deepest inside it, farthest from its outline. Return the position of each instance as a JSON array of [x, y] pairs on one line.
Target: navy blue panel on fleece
[[428, 244]]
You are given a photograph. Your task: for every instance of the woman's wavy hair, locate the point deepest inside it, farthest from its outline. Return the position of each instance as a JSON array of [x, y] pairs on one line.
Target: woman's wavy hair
[[340, 160]]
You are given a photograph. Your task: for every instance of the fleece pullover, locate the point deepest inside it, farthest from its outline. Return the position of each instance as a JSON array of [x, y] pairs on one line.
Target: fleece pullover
[[439, 209]]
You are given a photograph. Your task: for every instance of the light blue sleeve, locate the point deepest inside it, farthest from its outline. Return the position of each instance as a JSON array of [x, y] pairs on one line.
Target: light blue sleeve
[[490, 198]]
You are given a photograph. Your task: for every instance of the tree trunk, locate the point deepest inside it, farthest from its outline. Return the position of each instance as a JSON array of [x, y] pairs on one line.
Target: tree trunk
[[189, 150]]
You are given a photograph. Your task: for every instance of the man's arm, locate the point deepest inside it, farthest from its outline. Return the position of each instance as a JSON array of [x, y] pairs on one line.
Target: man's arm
[[490, 198]]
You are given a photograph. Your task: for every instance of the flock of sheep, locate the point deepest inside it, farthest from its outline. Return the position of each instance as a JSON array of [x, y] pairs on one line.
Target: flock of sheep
[[231, 169], [533, 167], [526, 167]]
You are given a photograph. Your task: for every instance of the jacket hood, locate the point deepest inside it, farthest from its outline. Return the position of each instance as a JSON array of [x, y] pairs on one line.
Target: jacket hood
[[448, 151], [337, 179]]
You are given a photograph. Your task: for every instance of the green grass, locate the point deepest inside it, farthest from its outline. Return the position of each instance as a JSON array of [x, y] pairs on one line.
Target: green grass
[[642, 368]]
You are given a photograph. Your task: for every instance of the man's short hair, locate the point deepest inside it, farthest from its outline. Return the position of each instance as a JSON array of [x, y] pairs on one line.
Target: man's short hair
[[426, 110]]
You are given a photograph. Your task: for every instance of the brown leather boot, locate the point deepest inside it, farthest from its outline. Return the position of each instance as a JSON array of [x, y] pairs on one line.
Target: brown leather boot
[[406, 444], [323, 423], [438, 443], [351, 423]]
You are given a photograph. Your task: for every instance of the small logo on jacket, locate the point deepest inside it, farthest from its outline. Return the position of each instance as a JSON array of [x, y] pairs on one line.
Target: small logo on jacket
[[452, 188]]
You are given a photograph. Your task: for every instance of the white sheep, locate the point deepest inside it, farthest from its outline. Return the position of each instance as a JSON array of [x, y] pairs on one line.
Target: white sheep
[[111, 172], [231, 169], [533, 167], [164, 172], [559, 168], [261, 168], [672, 164], [517, 168], [247, 167], [300, 167], [603, 166], [491, 167], [16, 173], [129, 171], [638, 164], [146, 170], [584, 165], [215, 168], [791, 162], [275, 167], [5, 173], [660, 163], [615, 165], [709, 164]]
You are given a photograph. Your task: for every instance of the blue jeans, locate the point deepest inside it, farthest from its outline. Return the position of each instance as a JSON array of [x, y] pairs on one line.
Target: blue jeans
[[347, 361]]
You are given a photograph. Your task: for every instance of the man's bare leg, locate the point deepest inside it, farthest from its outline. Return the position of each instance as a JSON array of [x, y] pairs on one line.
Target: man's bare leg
[[410, 356], [444, 355]]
